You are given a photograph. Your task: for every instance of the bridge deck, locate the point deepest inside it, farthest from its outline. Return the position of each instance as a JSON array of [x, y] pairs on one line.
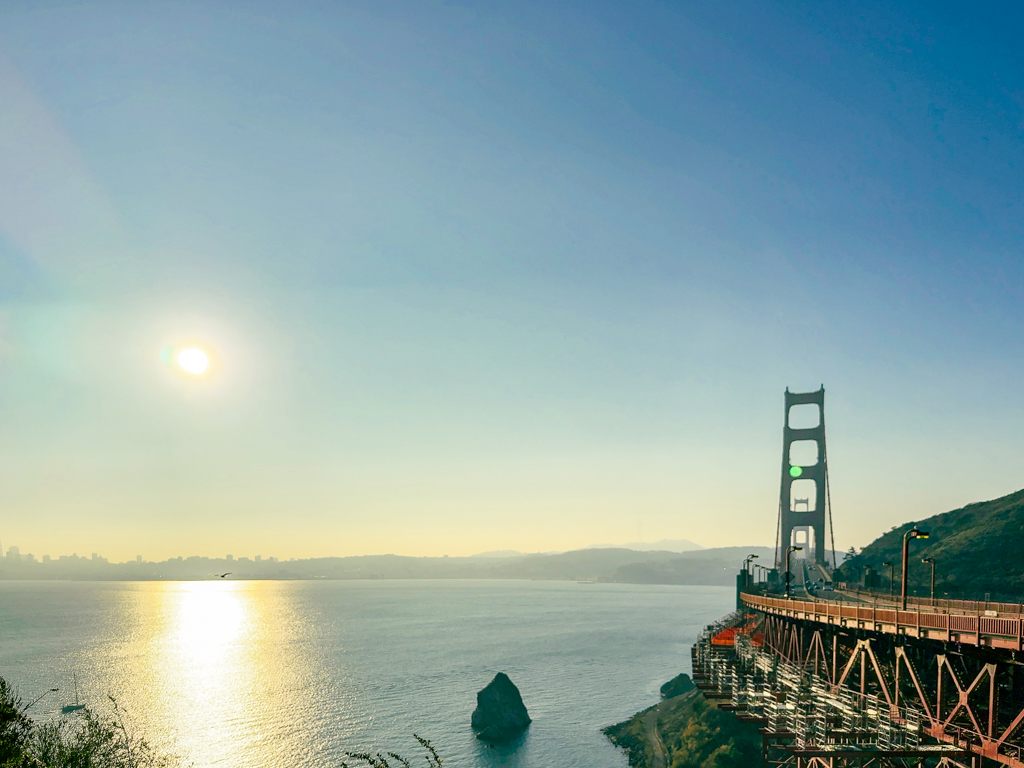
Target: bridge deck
[[1003, 632]]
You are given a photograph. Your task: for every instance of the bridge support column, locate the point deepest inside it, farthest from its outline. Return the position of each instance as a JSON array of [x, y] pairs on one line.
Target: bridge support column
[[803, 497]]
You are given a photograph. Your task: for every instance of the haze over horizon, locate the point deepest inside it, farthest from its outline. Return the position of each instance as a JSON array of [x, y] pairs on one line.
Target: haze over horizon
[[453, 279], [675, 546]]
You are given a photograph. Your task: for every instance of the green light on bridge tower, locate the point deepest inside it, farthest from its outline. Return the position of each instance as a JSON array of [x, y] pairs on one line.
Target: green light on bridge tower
[[796, 471]]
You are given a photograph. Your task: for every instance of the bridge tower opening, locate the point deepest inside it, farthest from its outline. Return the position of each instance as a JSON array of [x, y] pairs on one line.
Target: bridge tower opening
[[804, 506]]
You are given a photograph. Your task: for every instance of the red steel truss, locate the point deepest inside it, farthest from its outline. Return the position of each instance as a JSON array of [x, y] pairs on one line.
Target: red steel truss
[[962, 671]]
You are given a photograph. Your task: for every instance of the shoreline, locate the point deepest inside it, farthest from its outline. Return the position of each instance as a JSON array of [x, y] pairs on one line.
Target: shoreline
[[684, 730]]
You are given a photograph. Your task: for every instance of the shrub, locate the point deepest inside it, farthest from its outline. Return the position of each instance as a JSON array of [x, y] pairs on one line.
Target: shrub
[[93, 740], [87, 740]]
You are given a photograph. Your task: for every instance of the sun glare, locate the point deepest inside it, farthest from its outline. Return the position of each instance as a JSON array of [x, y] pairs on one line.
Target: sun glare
[[193, 360]]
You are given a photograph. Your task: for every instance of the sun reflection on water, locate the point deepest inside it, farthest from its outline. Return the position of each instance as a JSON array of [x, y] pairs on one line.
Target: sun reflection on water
[[211, 621], [207, 662]]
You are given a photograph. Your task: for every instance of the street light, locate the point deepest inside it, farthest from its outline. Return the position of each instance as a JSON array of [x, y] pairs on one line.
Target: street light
[[913, 533], [40, 696], [892, 578], [931, 562], [746, 569], [792, 548]]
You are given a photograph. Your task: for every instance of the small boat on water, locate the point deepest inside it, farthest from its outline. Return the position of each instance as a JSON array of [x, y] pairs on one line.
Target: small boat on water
[[67, 709]]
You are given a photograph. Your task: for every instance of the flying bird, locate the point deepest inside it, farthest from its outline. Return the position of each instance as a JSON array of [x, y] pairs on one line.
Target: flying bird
[[222, 575]]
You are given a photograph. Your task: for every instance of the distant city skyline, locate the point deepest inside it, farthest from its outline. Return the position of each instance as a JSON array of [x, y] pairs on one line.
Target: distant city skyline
[[437, 279], [14, 553]]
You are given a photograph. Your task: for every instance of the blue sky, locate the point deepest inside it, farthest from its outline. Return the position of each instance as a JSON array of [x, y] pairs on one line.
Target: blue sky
[[526, 275]]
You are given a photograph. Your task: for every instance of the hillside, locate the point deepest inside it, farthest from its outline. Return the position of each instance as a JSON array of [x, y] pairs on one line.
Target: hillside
[[705, 566], [977, 550]]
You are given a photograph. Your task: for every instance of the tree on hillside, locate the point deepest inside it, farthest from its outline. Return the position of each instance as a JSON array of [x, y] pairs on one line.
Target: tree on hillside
[[15, 727]]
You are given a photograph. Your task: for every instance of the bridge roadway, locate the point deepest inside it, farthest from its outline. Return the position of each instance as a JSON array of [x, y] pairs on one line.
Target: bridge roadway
[[923, 622], [988, 608]]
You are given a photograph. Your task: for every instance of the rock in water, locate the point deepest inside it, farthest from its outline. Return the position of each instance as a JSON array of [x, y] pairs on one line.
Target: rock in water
[[500, 713], [677, 686]]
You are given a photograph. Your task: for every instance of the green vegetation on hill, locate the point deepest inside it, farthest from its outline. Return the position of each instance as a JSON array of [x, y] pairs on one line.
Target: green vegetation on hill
[[685, 731], [977, 550]]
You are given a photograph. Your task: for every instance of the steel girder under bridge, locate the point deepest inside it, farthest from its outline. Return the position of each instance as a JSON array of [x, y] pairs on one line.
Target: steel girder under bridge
[[808, 723], [962, 683]]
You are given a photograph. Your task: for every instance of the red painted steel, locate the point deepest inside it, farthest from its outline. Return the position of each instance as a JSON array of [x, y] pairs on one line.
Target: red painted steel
[[972, 702]]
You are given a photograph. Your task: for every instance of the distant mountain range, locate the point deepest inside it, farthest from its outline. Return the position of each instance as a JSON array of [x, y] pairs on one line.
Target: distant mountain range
[[977, 550], [612, 564], [662, 545], [500, 553]]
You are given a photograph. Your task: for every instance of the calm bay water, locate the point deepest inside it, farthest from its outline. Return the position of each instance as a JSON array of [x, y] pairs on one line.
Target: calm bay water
[[286, 673]]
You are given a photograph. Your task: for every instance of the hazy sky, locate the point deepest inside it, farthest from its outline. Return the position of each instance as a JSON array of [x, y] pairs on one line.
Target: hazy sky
[[501, 275]]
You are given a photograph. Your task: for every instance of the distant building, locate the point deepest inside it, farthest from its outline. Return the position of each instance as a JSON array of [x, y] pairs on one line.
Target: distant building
[[138, 559], [259, 558], [46, 558], [229, 558], [14, 554]]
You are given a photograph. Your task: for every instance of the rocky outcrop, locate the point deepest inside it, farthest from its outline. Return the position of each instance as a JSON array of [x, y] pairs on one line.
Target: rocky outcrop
[[677, 686], [684, 731], [500, 714]]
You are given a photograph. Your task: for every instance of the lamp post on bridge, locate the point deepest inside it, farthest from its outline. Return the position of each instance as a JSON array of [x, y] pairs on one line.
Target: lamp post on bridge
[[792, 548], [892, 577], [747, 569], [913, 533], [931, 562]]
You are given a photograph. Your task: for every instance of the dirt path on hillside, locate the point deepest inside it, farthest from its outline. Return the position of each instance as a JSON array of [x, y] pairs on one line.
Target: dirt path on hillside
[[656, 747]]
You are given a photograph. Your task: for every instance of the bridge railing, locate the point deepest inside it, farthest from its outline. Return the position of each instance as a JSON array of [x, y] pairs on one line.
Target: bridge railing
[[941, 605], [975, 629]]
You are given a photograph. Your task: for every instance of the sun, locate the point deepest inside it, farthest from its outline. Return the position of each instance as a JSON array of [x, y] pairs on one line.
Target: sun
[[195, 361]]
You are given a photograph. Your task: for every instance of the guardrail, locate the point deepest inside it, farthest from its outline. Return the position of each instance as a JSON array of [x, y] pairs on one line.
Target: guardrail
[[959, 606], [971, 629]]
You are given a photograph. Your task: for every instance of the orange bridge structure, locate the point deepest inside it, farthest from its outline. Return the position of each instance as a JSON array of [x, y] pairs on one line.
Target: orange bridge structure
[[845, 682]]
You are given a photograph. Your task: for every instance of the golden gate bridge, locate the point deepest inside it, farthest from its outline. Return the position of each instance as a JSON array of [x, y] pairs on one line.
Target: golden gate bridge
[[841, 678]]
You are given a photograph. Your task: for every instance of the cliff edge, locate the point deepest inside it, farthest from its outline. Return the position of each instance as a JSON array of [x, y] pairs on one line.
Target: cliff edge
[[684, 731]]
